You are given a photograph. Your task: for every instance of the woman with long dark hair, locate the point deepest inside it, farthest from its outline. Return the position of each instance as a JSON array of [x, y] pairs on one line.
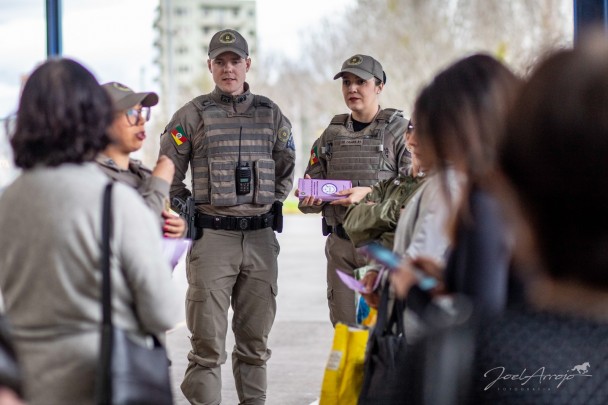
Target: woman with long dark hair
[[459, 119]]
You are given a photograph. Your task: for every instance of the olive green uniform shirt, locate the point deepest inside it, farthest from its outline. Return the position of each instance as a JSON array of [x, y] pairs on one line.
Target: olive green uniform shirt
[[375, 217], [154, 190]]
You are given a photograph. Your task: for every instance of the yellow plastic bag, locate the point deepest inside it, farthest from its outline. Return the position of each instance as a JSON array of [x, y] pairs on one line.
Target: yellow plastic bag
[[343, 376]]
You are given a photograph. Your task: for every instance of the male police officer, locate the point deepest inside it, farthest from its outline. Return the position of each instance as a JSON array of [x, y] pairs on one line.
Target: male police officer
[[242, 155]]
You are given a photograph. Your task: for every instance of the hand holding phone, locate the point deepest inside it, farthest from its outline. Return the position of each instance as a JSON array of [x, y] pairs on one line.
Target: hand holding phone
[[393, 261]]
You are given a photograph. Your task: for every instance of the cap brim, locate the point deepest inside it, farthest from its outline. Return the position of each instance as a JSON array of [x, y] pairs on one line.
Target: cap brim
[[357, 72], [217, 52], [145, 99]]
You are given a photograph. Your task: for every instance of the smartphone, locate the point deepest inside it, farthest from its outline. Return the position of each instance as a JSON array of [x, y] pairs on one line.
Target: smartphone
[[392, 261]]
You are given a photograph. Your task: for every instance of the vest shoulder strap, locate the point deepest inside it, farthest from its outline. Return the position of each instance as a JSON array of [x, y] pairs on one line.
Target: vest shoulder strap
[[339, 119], [262, 101], [202, 102], [389, 114]]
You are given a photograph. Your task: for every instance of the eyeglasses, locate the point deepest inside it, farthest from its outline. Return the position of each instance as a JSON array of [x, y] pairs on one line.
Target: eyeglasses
[[133, 115]]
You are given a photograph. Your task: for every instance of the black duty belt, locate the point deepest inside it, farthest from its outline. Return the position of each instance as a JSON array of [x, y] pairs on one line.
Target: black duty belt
[[234, 223]]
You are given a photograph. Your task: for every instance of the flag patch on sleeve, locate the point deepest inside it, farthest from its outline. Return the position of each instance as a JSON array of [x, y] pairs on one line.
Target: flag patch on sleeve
[[179, 136], [314, 156]]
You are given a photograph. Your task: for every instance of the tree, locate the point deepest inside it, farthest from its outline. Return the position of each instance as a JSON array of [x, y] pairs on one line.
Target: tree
[[413, 39]]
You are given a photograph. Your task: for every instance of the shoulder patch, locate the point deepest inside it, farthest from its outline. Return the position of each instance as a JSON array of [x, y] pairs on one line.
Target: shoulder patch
[[283, 134], [291, 144], [179, 135], [314, 156]]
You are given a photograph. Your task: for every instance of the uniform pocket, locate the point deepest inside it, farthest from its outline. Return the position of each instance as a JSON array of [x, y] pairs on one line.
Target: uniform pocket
[[264, 178], [223, 188], [199, 314]]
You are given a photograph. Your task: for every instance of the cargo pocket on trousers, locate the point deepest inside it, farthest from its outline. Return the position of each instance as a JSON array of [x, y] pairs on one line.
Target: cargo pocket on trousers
[[199, 313], [223, 188], [264, 177], [274, 290]]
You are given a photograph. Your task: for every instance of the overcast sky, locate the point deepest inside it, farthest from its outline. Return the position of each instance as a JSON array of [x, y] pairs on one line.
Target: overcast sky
[[113, 38]]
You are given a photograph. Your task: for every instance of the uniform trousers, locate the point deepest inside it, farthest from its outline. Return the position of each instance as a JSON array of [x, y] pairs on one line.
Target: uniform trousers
[[238, 269], [341, 254]]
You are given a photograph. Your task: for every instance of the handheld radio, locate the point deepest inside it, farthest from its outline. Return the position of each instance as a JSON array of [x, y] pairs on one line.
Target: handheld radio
[[243, 178], [242, 173]]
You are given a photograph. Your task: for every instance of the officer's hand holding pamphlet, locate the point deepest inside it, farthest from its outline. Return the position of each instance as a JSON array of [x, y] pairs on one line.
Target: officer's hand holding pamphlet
[[323, 189]]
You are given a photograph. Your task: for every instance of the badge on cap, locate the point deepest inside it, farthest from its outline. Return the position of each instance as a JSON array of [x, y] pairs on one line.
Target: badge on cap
[[178, 135], [355, 60], [120, 86], [227, 38]]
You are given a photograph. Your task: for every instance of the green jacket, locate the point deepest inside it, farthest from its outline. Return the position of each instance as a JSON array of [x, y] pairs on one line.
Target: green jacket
[[377, 220]]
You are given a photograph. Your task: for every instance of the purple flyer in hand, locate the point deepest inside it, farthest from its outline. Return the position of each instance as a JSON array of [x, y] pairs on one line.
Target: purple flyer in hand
[[324, 189], [351, 282], [174, 249]]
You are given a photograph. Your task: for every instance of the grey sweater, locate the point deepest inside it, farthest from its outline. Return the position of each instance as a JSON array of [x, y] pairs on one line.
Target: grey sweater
[[50, 255]]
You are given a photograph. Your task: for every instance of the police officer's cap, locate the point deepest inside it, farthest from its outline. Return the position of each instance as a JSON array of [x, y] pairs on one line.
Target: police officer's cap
[[363, 66], [228, 41], [124, 98]]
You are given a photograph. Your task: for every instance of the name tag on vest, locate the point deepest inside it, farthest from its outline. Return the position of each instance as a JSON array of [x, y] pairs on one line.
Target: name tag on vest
[[352, 142]]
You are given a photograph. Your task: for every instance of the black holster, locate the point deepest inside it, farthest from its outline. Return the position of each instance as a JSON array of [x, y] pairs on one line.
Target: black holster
[[325, 228], [277, 210], [338, 230]]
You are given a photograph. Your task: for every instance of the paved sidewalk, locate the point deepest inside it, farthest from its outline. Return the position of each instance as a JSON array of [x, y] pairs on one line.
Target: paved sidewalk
[[301, 336]]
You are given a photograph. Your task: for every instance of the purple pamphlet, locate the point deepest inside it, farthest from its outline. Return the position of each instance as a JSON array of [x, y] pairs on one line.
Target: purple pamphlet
[[323, 188], [351, 282], [174, 249]]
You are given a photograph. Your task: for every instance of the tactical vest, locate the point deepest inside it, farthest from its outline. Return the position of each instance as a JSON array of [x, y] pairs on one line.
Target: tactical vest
[[226, 136], [362, 157]]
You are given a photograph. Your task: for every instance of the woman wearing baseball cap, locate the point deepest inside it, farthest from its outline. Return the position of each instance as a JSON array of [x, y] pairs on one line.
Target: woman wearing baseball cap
[[127, 134], [364, 146]]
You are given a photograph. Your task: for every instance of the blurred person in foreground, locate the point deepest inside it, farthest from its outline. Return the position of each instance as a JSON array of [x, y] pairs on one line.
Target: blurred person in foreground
[[459, 120], [127, 134], [242, 154], [365, 146], [50, 261], [553, 176]]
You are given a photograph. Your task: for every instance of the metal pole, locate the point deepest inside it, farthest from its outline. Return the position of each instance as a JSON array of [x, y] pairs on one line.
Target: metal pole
[[53, 28], [589, 13], [169, 71]]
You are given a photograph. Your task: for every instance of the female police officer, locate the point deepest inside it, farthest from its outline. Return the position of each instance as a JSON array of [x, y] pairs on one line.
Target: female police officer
[[365, 146], [127, 134]]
